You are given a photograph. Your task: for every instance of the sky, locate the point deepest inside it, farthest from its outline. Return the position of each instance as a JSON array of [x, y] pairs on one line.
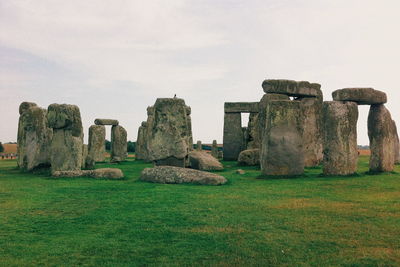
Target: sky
[[115, 58]]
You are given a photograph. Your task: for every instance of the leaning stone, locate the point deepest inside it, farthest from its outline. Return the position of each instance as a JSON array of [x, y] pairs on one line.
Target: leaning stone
[[96, 146], [119, 144], [340, 138], [176, 175], [34, 137], [382, 139], [106, 122], [201, 160], [362, 96], [249, 157], [282, 151], [291, 88]]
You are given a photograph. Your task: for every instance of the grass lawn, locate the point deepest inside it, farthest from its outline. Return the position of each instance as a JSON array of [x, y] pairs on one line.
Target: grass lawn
[[307, 221]]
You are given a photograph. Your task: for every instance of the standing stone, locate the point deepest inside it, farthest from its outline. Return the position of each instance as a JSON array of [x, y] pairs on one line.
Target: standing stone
[[396, 145], [169, 137], [382, 139], [141, 149], [119, 143], [340, 138], [233, 136], [199, 146], [96, 146], [84, 155], [282, 147], [214, 149], [66, 145], [253, 139], [34, 137]]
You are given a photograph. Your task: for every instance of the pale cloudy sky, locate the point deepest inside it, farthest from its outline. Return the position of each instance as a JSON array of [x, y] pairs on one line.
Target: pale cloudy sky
[[114, 58]]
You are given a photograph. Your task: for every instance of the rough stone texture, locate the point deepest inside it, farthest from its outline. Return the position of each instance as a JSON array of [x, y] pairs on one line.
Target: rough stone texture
[[105, 173], [106, 122], [84, 155], [282, 151], [119, 144], [249, 157], [233, 136], [169, 137], [396, 144], [66, 144], [96, 146], [340, 138], [382, 139], [239, 107], [176, 175], [240, 171], [201, 160], [214, 149], [362, 96], [34, 137], [141, 147], [253, 139], [312, 130], [291, 88], [199, 146]]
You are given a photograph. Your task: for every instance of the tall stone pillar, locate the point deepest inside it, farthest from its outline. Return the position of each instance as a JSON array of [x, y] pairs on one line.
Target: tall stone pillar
[[119, 143], [141, 149], [96, 146], [340, 137], [233, 136], [214, 149], [198, 146]]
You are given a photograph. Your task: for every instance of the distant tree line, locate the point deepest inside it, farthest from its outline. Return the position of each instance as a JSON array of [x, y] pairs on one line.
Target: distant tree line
[[131, 146]]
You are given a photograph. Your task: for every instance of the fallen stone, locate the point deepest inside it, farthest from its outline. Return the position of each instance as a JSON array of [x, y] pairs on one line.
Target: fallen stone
[[106, 122], [177, 175], [201, 160], [362, 96], [104, 173], [249, 157], [240, 171], [291, 88]]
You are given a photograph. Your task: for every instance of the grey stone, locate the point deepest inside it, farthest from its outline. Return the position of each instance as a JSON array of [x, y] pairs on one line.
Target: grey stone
[[96, 146], [119, 143], [396, 144], [84, 155], [233, 136], [66, 144], [204, 161], [106, 122], [291, 88], [34, 137], [199, 146], [282, 151], [176, 175], [253, 139], [141, 146], [249, 157], [214, 149], [104, 173], [340, 138], [239, 107], [240, 171], [169, 137], [362, 96], [382, 139]]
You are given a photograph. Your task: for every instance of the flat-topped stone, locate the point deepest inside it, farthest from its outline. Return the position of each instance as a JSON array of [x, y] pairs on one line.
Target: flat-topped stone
[[238, 107], [292, 88], [362, 96], [104, 173], [106, 122]]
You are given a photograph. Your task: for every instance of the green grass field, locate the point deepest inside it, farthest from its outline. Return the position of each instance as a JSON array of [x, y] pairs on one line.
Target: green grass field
[[307, 221]]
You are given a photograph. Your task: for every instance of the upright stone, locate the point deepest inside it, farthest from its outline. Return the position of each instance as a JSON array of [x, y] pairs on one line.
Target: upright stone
[[84, 155], [66, 145], [396, 145], [34, 137], [119, 143], [382, 139], [96, 146], [214, 149], [233, 136], [282, 147], [253, 138], [141, 149], [169, 137], [199, 146], [340, 138]]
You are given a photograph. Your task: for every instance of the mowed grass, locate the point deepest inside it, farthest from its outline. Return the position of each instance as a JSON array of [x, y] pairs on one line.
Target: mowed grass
[[307, 221]]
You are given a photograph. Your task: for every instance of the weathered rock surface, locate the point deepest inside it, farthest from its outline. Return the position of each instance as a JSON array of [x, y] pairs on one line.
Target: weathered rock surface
[[233, 136], [282, 151], [201, 160], [214, 149], [253, 138], [67, 142], [169, 138], [238, 107], [84, 155], [34, 137], [119, 144], [106, 122], [291, 88], [107, 173], [382, 139], [340, 138], [199, 146], [177, 175], [362, 96], [249, 157], [96, 146], [396, 145], [141, 147]]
